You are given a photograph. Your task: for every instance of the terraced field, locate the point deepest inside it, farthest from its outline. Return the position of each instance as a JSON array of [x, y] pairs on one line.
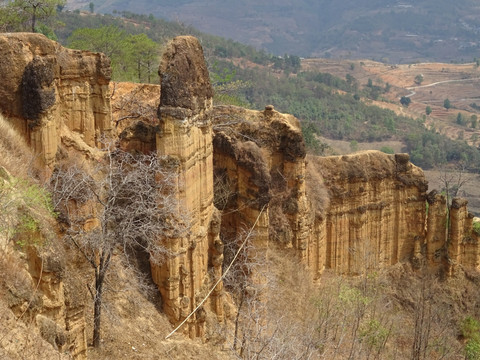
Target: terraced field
[[460, 83]]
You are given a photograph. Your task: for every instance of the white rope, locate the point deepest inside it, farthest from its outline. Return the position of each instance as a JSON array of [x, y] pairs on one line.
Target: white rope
[[221, 278]]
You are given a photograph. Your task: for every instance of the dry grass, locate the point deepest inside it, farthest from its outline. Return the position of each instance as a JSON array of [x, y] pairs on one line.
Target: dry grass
[[16, 157], [134, 327], [19, 341], [16, 284], [379, 315]]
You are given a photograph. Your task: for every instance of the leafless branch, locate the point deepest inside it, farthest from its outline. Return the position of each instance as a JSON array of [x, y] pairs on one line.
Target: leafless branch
[[124, 202]]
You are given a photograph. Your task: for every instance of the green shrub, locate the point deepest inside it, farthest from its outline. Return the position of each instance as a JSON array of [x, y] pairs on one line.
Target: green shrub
[[470, 327], [387, 150], [470, 330], [25, 211], [476, 228], [472, 349]]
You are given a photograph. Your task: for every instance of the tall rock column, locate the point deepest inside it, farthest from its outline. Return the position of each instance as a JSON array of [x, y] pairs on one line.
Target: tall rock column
[[437, 230], [462, 246], [186, 136]]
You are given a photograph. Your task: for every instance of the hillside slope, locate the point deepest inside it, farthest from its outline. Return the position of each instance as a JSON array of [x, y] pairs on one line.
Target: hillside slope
[[394, 31]]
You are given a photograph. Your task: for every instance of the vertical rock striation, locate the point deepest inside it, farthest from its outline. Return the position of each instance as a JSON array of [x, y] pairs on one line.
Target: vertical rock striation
[[61, 319], [349, 214], [46, 87], [376, 213], [463, 243], [259, 164]]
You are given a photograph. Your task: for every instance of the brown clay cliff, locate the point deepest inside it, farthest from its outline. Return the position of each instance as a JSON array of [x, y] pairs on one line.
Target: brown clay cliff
[[48, 91], [348, 213]]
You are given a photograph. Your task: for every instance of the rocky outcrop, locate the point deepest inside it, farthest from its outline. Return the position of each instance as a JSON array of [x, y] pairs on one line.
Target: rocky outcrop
[[134, 114], [360, 211], [376, 213], [61, 319], [46, 87], [349, 214], [259, 173], [463, 242], [44, 296], [185, 136]]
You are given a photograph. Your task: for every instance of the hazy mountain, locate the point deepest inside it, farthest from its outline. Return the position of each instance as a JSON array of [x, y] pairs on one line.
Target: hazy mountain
[[389, 30]]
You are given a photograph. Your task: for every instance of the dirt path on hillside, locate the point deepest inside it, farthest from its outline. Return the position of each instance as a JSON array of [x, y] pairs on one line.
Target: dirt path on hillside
[[413, 88]]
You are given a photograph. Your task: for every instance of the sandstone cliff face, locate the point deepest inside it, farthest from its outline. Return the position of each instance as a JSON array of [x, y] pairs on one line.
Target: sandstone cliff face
[[349, 214], [53, 95], [47, 89], [376, 214], [44, 297], [463, 243], [61, 320]]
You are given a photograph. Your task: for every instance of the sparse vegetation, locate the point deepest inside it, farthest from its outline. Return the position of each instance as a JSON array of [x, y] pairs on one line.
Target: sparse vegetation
[[124, 189]]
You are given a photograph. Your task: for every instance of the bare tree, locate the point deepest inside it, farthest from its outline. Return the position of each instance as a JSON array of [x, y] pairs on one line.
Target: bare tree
[[127, 201], [453, 181], [133, 105]]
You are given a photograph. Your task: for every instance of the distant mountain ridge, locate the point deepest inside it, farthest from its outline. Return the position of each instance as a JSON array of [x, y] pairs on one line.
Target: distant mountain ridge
[[387, 30]]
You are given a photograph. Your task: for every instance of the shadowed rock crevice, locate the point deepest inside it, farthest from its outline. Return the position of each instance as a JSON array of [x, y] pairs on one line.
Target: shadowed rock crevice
[[38, 93]]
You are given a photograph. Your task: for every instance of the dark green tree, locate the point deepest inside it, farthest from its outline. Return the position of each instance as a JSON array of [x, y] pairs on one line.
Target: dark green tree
[[108, 39], [428, 110], [144, 54], [133, 57], [418, 79], [446, 104], [405, 101], [473, 121]]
